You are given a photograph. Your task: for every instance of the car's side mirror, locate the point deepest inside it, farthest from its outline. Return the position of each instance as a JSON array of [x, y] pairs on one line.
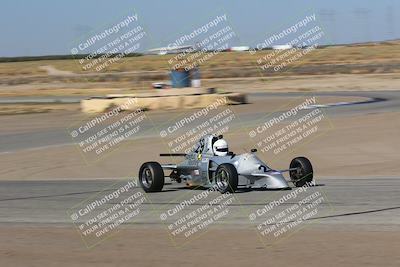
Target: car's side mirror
[[230, 153], [254, 150]]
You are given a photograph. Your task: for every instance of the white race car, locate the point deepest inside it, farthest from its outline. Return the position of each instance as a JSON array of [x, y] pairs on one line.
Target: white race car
[[210, 163]]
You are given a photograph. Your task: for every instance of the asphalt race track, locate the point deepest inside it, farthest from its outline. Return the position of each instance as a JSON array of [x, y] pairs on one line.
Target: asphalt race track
[[372, 202]]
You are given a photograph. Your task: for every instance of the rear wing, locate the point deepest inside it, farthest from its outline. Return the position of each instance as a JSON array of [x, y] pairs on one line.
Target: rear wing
[[172, 155]]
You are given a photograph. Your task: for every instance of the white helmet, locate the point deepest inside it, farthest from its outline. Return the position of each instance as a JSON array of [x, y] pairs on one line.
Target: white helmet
[[220, 147]]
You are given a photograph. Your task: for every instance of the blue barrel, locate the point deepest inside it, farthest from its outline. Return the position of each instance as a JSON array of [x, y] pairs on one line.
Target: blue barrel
[[180, 78]]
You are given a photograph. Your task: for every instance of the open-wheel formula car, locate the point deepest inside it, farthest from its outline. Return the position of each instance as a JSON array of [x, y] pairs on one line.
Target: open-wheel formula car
[[211, 164]]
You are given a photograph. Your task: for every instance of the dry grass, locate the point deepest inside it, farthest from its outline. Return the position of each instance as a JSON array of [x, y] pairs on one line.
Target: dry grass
[[362, 54]]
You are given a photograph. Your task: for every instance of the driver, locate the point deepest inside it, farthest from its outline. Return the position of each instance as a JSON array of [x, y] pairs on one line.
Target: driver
[[220, 147]]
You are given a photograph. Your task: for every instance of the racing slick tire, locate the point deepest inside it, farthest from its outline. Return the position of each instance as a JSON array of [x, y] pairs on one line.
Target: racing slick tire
[[226, 178], [151, 177], [304, 174]]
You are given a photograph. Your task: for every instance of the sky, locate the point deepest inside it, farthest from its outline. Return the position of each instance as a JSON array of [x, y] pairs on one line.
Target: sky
[[54, 27]]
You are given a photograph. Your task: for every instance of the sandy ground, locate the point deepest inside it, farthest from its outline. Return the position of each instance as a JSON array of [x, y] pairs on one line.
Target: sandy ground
[[61, 246]]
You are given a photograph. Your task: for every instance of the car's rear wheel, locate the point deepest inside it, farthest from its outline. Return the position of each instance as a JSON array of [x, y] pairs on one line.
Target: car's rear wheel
[[151, 177], [303, 173], [226, 178]]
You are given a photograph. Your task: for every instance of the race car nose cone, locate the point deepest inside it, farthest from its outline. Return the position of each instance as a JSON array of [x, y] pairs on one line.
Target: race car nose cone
[[276, 180]]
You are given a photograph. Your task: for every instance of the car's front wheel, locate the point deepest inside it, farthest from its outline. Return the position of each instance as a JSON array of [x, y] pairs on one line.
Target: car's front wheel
[[151, 177], [226, 178], [303, 173]]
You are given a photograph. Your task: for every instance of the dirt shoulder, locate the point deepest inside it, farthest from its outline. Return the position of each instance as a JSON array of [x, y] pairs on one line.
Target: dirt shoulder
[[151, 246]]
